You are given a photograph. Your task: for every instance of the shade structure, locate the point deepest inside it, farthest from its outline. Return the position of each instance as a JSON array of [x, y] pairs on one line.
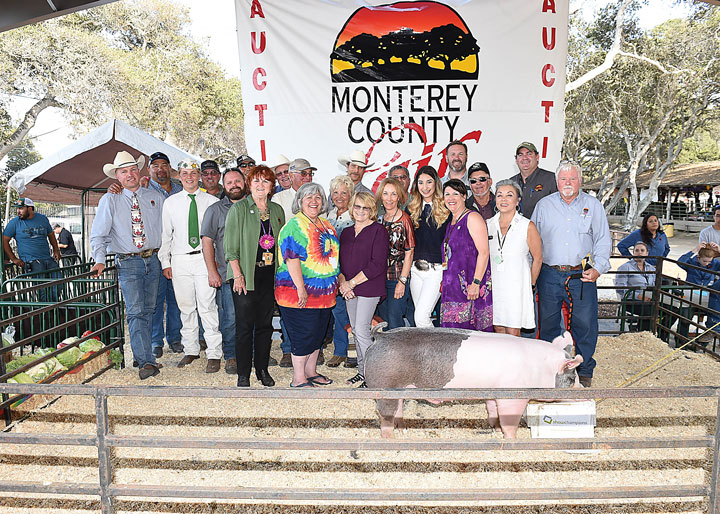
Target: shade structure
[[16, 13], [63, 176]]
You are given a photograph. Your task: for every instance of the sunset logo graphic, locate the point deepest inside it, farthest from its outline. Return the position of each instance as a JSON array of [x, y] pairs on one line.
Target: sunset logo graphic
[[404, 41]]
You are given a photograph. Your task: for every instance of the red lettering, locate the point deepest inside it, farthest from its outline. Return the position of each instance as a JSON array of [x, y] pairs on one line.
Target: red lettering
[[256, 9], [549, 5], [261, 85], [263, 155], [547, 81], [260, 49], [261, 108], [549, 45], [545, 103], [545, 145]]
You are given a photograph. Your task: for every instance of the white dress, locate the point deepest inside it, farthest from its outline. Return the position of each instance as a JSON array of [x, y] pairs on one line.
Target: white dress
[[511, 277]]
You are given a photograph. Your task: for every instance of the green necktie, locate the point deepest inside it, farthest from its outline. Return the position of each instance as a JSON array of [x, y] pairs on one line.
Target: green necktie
[[193, 230]]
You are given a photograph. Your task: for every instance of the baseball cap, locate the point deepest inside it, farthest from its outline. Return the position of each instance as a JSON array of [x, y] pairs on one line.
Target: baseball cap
[[478, 166], [159, 155], [24, 202], [209, 165], [245, 158], [528, 145], [301, 164]]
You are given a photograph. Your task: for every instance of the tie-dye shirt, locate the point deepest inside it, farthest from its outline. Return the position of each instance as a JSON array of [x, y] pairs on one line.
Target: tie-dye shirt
[[318, 248]]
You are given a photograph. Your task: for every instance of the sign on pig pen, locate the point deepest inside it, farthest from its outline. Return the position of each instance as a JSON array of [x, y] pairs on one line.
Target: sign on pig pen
[[399, 80]]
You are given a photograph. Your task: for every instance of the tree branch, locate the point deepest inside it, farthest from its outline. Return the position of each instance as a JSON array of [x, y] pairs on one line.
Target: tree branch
[[27, 123]]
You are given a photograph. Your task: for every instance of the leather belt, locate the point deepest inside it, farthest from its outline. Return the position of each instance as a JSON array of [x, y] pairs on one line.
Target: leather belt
[[144, 254], [194, 253], [567, 268]]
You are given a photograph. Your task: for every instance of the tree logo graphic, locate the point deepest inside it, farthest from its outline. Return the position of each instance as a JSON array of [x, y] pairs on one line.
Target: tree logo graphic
[[404, 41]]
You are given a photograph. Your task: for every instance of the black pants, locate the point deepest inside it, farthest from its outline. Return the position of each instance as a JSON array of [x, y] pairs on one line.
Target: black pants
[[253, 322]]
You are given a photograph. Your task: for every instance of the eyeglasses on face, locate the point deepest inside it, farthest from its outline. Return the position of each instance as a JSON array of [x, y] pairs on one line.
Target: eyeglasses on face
[[361, 208], [479, 179], [304, 173], [245, 165], [279, 173]]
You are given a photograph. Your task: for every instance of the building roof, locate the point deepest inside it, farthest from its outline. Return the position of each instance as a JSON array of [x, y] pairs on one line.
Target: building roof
[[693, 175]]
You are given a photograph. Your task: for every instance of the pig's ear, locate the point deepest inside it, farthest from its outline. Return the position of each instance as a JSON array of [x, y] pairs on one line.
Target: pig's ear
[[563, 341], [569, 364]]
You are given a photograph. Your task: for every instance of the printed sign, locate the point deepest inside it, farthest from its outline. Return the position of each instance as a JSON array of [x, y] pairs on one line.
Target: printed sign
[[400, 80]]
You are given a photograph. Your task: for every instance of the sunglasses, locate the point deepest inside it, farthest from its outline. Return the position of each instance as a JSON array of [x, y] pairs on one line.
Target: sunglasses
[[479, 179], [361, 208], [304, 173], [246, 165]]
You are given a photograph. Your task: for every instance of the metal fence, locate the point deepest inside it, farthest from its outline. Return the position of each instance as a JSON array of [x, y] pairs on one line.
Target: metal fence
[[82, 304], [105, 442]]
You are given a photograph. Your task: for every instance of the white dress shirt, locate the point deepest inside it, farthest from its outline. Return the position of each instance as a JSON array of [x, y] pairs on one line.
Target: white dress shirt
[[175, 224]]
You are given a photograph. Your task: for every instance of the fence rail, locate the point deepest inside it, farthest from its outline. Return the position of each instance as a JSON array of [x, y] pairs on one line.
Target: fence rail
[[105, 441]]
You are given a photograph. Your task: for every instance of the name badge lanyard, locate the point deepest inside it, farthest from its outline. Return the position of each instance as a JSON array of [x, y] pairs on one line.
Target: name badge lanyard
[[501, 243], [267, 241]]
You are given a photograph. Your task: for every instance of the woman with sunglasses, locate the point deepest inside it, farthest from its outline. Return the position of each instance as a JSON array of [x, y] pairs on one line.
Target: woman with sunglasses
[[481, 200], [430, 217], [364, 249]]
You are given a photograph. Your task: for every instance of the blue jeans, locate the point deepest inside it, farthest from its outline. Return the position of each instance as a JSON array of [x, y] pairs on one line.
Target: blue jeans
[[226, 316], [47, 294], [392, 310], [584, 324], [340, 335], [171, 315], [138, 278]]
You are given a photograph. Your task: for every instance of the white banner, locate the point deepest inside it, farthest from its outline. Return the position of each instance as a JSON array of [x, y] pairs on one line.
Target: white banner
[[400, 80]]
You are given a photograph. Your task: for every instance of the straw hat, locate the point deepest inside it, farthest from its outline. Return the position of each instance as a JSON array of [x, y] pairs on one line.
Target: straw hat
[[123, 159]]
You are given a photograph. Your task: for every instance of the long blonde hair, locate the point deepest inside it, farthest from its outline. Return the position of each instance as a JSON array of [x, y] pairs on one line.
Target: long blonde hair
[[440, 212]]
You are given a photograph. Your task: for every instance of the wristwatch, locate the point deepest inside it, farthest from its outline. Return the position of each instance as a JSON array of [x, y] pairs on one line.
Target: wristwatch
[[476, 281], [403, 280]]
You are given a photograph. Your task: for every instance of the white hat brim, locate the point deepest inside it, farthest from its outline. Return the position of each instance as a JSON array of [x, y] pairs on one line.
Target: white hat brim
[[109, 169]]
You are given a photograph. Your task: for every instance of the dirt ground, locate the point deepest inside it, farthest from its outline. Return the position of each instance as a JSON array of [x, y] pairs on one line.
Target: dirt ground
[[618, 358]]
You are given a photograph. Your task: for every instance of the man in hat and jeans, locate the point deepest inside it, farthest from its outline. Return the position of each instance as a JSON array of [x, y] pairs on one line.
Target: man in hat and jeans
[[129, 225], [32, 232], [182, 261]]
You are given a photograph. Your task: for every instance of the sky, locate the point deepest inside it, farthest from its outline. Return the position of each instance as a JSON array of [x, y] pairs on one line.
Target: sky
[[213, 25]]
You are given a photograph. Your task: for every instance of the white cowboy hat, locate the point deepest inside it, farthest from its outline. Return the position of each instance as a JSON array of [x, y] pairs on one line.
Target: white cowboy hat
[[277, 160], [356, 157], [123, 159]]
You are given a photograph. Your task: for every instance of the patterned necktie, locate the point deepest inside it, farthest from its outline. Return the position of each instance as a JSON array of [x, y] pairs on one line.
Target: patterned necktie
[[138, 229], [427, 211], [193, 229]]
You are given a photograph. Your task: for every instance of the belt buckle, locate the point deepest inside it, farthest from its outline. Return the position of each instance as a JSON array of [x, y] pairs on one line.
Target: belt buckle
[[422, 265], [146, 253]]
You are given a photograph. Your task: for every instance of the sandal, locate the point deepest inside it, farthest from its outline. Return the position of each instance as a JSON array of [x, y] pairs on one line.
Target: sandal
[[304, 384], [354, 380], [314, 380]]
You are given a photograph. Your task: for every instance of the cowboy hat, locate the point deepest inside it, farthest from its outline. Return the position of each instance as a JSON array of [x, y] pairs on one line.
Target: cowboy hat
[[123, 159], [277, 160], [356, 157]]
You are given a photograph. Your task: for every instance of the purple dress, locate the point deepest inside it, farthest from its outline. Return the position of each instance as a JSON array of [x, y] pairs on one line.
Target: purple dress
[[455, 309]]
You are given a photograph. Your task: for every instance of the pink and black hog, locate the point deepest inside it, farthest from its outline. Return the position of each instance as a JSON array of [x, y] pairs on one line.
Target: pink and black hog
[[451, 358]]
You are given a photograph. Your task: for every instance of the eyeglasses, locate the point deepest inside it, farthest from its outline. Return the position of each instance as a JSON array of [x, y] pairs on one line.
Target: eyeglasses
[[278, 173], [479, 179], [304, 173], [361, 208], [246, 165]]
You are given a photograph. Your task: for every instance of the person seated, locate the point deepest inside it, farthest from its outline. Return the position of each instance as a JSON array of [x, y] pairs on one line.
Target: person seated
[[635, 290], [702, 256]]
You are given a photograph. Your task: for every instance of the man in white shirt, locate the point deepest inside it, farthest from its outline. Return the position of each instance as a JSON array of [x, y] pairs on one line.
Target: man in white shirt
[[711, 234], [300, 173], [182, 261]]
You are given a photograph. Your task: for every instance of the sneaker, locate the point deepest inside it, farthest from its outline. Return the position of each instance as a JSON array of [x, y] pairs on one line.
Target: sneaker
[[286, 361], [213, 366], [355, 380], [363, 385], [157, 352], [321, 357], [335, 361], [231, 366]]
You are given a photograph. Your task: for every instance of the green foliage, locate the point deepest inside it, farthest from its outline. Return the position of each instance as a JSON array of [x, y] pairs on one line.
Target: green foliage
[[701, 147], [131, 60]]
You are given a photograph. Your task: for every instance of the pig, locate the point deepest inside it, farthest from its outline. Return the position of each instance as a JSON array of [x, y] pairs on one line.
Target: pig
[[454, 358]]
